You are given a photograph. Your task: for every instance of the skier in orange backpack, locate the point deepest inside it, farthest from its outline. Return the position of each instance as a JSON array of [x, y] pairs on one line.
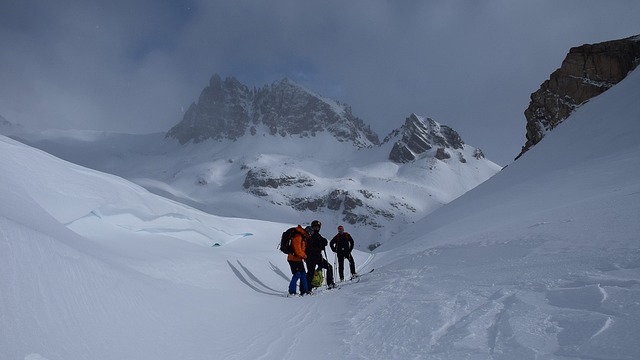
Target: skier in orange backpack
[[295, 260]]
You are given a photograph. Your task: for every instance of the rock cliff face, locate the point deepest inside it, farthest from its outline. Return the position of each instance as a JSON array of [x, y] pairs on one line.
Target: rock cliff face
[[352, 205], [228, 109], [587, 71], [222, 112], [422, 135]]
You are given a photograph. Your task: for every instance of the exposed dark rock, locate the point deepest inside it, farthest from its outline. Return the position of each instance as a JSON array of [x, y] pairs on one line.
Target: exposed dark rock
[[264, 179], [418, 136], [587, 71], [400, 153], [351, 202], [220, 113], [227, 108], [441, 154], [302, 204]]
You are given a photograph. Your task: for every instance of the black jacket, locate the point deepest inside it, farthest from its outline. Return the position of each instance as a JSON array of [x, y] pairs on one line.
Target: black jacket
[[315, 245], [342, 243]]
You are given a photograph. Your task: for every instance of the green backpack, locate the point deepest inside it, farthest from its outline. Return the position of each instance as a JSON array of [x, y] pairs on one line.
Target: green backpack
[[317, 279]]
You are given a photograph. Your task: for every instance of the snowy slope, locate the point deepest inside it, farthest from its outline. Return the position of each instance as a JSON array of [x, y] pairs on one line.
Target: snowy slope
[[540, 262], [281, 178], [131, 275]]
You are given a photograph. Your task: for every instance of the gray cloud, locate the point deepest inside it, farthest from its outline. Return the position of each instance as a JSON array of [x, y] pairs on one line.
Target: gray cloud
[[133, 66]]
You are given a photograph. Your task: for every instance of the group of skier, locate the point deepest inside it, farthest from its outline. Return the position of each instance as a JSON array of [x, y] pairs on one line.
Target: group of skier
[[308, 246]]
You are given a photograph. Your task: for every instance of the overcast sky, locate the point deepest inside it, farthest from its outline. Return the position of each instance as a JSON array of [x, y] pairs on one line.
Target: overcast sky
[[136, 65]]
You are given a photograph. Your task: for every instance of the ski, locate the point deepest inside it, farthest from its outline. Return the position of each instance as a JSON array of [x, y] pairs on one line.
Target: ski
[[321, 290], [357, 276], [354, 279]]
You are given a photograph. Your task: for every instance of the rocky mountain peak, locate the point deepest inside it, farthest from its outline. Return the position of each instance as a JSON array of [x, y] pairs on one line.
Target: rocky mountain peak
[[420, 136], [227, 109], [221, 112], [586, 71]]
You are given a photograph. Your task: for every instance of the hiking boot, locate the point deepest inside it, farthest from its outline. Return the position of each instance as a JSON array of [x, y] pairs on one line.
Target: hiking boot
[[354, 275], [331, 286]]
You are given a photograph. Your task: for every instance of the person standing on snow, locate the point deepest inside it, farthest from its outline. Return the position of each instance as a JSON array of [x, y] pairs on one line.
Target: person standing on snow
[[342, 245], [299, 243], [315, 245]]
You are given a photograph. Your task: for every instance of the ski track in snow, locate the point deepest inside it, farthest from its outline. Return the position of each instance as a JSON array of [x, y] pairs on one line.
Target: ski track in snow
[[504, 320], [607, 324], [366, 262], [604, 293], [252, 281]]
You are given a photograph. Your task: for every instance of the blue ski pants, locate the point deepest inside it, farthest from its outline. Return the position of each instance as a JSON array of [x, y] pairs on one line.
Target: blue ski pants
[[299, 273]]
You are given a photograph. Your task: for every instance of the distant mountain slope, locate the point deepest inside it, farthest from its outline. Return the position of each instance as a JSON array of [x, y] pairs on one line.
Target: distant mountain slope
[[227, 109], [424, 136], [285, 154]]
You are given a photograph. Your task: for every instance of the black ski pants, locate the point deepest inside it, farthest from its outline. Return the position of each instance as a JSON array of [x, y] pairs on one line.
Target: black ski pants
[[352, 264], [312, 265]]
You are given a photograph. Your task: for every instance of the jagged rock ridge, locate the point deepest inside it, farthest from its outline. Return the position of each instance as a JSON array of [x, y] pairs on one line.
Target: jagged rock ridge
[[587, 71], [424, 137], [419, 136], [227, 109]]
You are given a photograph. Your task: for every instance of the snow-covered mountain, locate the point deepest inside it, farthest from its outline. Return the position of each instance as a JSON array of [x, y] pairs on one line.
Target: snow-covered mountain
[[227, 109], [283, 153], [539, 262], [420, 137]]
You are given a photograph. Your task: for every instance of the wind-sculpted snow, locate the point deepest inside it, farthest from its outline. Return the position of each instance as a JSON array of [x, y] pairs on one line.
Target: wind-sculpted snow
[[177, 225]]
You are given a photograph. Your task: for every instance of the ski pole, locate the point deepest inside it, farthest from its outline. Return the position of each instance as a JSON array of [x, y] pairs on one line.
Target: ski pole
[[325, 271], [335, 262]]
